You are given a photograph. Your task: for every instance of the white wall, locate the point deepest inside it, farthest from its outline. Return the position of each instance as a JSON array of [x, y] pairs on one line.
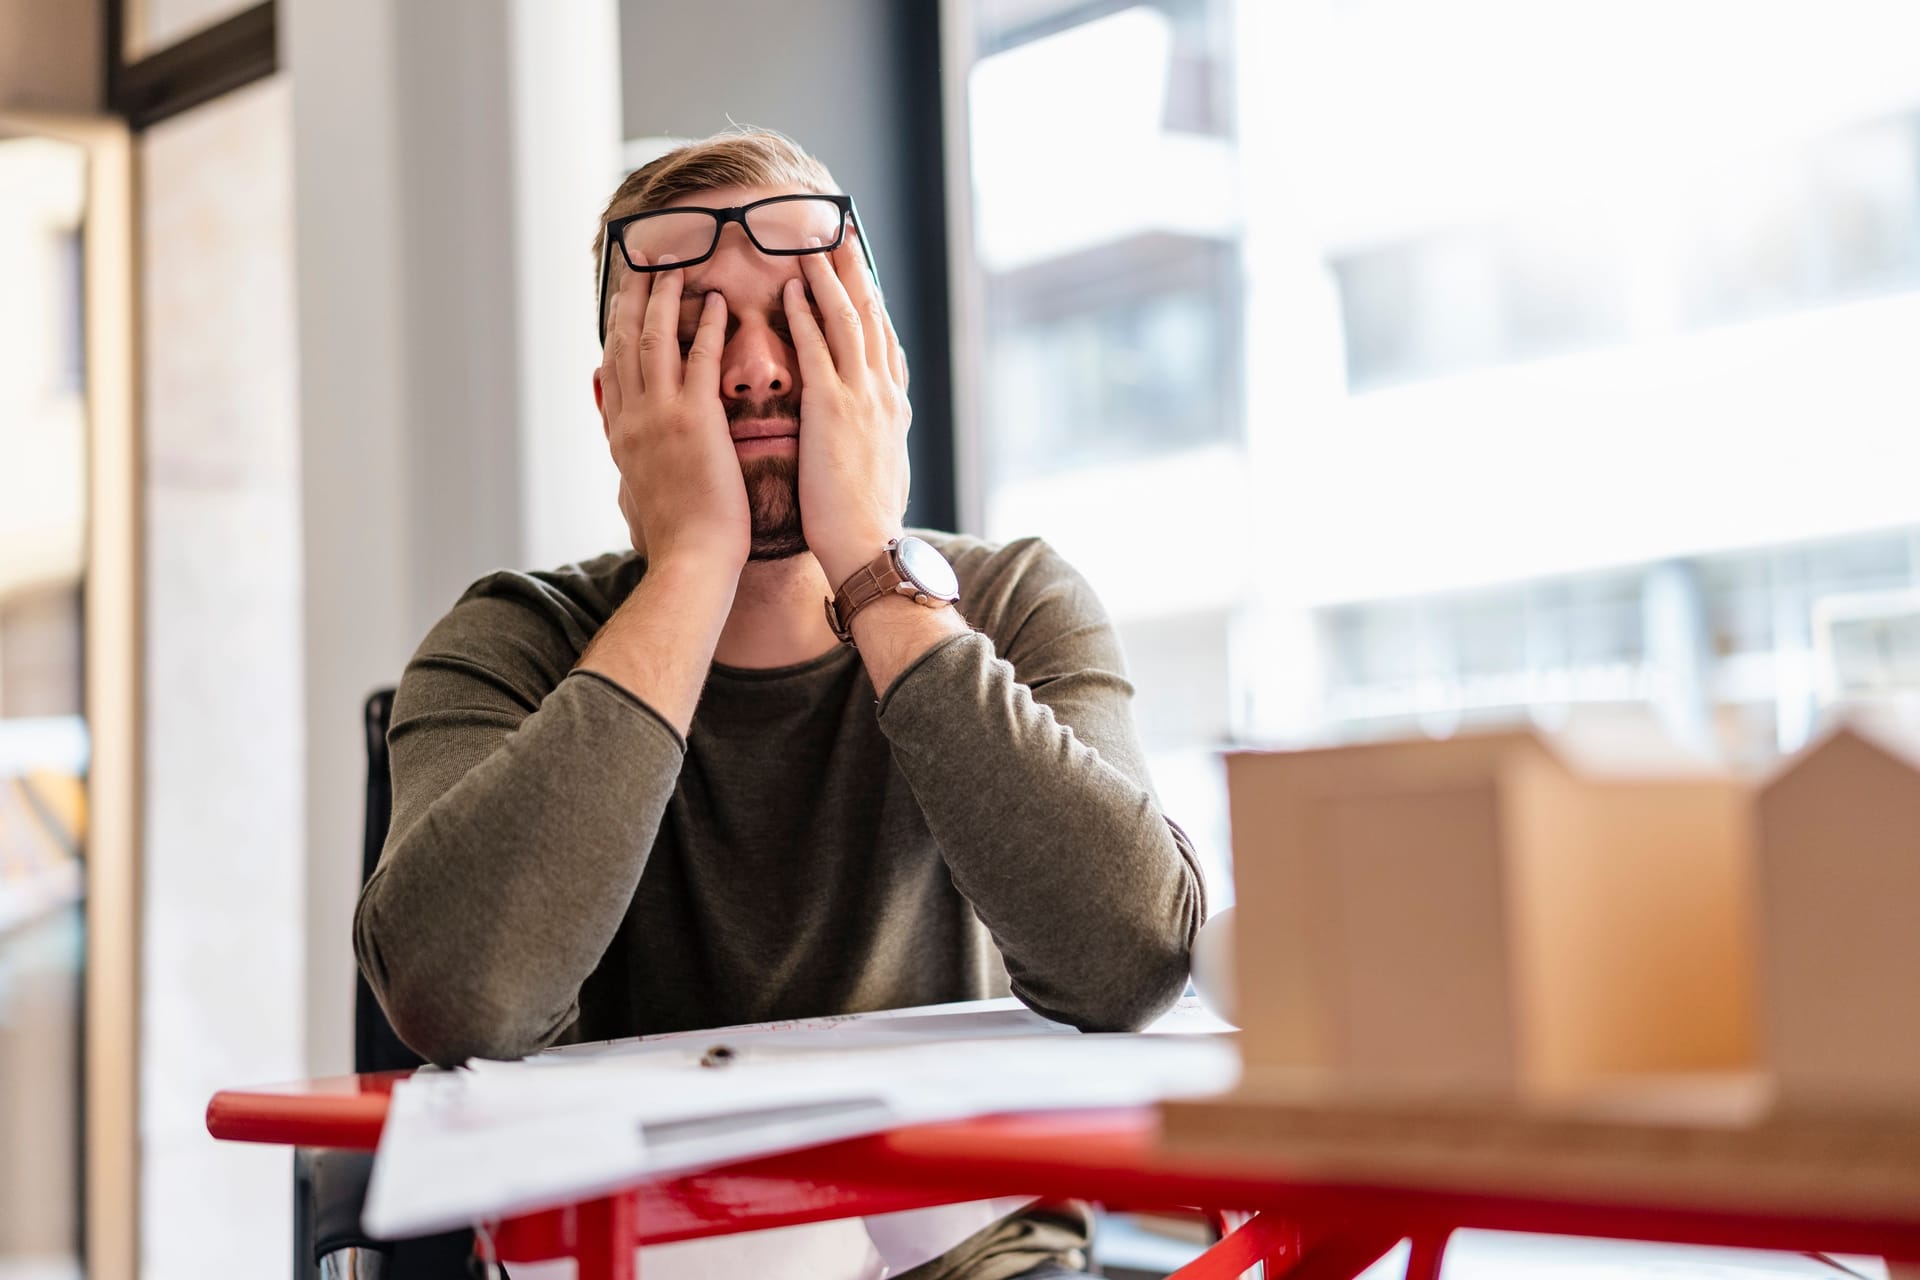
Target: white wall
[[450, 157], [222, 957], [566, 163]]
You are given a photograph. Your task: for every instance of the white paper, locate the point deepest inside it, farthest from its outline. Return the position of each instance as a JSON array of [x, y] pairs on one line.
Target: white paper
[[462, 1142], [502, 1138], [926, 1024]]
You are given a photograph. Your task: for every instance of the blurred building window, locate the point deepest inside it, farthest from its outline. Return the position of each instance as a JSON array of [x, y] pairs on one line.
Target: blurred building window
[[1798, 226], [1395, 367], [73, 367], [153, 25], [44, 744], [1127, 350]]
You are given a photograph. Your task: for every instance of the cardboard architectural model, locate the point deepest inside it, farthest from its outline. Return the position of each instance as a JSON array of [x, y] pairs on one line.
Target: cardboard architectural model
[[1479, 918], [1839, 914]]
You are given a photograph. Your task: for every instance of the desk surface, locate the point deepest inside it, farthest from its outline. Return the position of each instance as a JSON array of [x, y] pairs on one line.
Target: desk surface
[[1112, 1156]]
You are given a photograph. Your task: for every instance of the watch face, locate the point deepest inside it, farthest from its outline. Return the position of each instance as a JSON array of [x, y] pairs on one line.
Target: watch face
[[928, 568]]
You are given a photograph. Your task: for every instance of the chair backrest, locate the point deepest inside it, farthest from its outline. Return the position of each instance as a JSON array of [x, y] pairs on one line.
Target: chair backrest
[[375, 1046]]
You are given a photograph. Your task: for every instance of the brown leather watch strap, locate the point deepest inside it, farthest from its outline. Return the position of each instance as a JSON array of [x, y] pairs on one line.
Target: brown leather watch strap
[[878, 577]]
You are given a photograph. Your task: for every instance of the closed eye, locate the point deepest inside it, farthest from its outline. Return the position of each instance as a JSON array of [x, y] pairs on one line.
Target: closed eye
[[690, 306]]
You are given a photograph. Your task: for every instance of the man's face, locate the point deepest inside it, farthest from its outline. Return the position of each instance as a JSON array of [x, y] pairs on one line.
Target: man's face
[[759, 372]]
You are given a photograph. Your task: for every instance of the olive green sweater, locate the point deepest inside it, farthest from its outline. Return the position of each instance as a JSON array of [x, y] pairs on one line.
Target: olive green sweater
[[563, 866]]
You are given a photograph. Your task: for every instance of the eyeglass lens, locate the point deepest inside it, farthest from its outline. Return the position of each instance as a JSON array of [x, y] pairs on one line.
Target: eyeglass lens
[[782, 226]]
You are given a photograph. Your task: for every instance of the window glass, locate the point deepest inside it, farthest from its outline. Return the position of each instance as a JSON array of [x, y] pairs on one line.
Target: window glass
[[43, 737], [153, 25], [1393, 367]]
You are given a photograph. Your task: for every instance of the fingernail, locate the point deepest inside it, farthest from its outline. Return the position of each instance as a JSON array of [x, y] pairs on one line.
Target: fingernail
[[665, 258], [814, 242]]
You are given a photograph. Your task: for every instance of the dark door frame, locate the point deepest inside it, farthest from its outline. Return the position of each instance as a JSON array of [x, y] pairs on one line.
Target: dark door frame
[[228, 55]]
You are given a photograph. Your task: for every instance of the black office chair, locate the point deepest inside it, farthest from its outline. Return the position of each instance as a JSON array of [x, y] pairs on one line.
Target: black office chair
[[330, 1187]]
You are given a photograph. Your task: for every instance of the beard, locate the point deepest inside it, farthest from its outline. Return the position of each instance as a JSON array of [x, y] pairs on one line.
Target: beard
[[773, 487], [773, 499]]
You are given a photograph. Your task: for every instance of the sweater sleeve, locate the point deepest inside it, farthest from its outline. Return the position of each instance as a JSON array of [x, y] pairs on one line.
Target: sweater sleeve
[[1027, 767], [525, 802]]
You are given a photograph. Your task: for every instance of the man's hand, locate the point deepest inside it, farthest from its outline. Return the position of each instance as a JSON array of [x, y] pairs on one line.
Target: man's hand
[[680, 483], [854, 413], [681, 491]]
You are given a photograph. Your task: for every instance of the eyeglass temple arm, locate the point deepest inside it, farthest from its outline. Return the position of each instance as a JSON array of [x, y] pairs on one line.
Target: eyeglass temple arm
[[606, 273], [866, 250]]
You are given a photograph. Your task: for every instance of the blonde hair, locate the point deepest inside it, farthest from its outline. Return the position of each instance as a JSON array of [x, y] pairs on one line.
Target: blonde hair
[[738, 158]]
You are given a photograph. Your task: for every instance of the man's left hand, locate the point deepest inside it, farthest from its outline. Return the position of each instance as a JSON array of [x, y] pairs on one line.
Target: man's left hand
[[854, 413]]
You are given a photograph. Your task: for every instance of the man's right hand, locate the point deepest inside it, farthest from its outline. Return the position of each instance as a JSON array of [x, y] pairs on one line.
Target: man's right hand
[[682, 493], [681, 487]]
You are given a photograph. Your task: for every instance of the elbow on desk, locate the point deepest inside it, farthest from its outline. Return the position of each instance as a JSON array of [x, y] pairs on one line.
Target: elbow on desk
[[1129, 1009], [1119, 959], [1144, 970], [1127, 991], [450, 1023], [448, 1015]]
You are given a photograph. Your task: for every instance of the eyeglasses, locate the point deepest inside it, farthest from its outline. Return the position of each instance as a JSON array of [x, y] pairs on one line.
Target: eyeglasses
[[779, 226]]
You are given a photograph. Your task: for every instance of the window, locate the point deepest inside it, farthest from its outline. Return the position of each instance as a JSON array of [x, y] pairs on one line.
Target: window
[[1386, 377]]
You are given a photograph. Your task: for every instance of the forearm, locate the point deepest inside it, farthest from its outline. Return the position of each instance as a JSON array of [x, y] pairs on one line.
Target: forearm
[[893, 633], [659, 644], [491, 907], [495, 900], [1066, 858]]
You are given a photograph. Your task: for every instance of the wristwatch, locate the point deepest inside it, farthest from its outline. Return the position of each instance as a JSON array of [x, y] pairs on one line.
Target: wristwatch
[[908, 567]]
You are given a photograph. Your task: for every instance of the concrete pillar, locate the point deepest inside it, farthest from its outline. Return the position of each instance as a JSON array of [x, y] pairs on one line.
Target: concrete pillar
[[449, 159]]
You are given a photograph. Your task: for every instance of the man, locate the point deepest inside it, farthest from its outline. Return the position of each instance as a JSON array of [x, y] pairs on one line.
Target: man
[[737, 774]]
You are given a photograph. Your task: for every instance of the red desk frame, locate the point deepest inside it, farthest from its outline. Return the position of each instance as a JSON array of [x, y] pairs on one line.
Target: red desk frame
[[1302, 1228]]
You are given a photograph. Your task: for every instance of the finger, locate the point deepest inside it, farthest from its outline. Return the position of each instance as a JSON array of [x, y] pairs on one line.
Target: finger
[[624, 315], [611, 397], [703, 361], [660, 332], [816, 359], [839, 317], [896, 357], [850, 265], [895, 361]]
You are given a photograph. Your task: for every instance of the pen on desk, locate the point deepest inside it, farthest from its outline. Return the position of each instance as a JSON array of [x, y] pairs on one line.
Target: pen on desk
[[718, 1056]]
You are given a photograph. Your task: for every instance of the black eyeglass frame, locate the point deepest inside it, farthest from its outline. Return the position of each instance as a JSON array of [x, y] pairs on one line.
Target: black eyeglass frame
[[615, 233]]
